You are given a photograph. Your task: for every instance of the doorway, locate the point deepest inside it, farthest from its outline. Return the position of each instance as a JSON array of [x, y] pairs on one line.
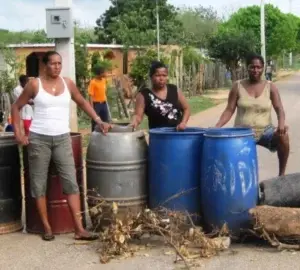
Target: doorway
[[32, 65]]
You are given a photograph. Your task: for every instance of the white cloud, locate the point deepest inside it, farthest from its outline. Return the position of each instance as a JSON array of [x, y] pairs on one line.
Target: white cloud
[[30, 14]]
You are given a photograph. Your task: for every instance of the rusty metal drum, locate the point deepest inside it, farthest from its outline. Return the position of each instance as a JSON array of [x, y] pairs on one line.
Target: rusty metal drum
[[10, 185], [58, 211], [116, 165]]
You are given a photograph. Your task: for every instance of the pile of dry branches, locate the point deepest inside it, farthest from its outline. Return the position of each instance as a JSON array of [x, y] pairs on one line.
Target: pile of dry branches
[[175, 228]]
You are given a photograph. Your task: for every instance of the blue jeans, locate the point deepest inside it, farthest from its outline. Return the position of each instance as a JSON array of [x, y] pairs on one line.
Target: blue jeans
[[267, 139], [269, 76], [101, 108]]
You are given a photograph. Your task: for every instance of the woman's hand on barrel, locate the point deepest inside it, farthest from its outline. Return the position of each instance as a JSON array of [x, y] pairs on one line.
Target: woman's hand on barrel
[[134, 124], [181, 126], [22, 139], [104, 127]]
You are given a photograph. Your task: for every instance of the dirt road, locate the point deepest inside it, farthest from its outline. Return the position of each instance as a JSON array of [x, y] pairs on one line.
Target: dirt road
[[24, 251]]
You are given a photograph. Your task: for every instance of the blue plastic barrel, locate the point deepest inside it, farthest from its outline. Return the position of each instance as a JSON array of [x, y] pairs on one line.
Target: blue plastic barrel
[[229, 181], [174, 171]]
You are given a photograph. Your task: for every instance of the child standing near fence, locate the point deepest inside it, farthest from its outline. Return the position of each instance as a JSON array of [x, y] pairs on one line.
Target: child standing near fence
[[97, 93]]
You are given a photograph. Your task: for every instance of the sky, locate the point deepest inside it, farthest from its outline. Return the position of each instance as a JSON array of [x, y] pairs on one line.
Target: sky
[[19, 15]]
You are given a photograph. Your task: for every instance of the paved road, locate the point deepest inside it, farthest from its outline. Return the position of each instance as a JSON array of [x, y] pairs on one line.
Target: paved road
[[23, 251]]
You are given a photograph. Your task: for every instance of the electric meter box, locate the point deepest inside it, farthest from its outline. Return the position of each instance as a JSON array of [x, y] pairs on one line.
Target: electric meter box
[[59, 23]]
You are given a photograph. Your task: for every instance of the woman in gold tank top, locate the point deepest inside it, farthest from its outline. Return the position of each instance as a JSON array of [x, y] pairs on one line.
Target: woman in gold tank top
[[254, 98]]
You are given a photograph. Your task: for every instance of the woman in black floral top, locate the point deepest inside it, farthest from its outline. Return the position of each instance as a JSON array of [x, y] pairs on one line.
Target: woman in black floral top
[[164, 104]]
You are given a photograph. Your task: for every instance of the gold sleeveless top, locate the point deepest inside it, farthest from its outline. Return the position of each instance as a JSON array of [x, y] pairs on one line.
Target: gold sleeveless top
[[254, 112]]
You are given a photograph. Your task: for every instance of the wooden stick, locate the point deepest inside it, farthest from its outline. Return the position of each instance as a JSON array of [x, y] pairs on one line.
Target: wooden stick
[[279, 245], [184, 192]]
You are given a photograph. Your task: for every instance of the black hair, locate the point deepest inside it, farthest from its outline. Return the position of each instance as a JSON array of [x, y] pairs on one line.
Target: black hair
[[23, 80], [98, 70], [155, 65], [47, 55], [254, 56]]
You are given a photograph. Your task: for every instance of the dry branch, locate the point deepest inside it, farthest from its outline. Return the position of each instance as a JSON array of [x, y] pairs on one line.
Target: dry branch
[[277, 225], [176, 229]]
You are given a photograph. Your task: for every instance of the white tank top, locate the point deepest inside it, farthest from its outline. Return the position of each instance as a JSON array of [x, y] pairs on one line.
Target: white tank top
[[51, 113]]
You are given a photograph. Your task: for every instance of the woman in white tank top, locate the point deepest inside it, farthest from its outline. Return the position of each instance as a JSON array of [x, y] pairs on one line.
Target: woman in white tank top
[[49, 138]]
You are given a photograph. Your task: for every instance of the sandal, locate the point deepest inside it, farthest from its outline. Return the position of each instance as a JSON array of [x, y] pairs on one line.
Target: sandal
[[91, 237], [48, 237]]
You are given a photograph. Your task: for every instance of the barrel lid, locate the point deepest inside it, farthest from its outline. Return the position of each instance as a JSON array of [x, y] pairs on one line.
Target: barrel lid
[[117, 129], [6, 135], [229, 132], [173, 131], [7, 138]]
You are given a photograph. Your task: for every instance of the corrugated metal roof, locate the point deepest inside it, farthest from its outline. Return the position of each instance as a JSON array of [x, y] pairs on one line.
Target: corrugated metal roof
[[109, 46], [51, 45], [31, 45]]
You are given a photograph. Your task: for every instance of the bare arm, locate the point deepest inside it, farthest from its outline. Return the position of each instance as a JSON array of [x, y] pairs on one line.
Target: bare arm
[[16, 95], [230, 108], [81, 102], [277, 105], [139, 110], [25, 97], [91, 101], [91, 92], [185, 106]]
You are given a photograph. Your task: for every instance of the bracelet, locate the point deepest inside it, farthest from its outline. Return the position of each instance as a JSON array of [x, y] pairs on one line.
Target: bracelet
[[97, 118]]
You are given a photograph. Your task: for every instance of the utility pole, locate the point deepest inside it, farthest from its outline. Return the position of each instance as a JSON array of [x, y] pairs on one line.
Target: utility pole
[[262, 30], [157, 31], [65, 47], [290, 11]]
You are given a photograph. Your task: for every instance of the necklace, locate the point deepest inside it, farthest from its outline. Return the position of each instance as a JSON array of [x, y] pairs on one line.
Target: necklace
[[54, 88]]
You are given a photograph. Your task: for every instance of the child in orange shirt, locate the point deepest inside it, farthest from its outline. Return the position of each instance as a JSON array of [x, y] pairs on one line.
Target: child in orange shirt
[[97, 93]]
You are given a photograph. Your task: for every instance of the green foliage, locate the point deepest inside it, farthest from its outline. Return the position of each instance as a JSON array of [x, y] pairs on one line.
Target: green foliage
[[293, 24], [230, 47], [9, 76], [140, 66], [133, 22], [200, 103], [98, 60], [7, 83], [83, 35], [199, 25], [8, 37], [81, 67], [132, 29], [191, 56], [281, 29]]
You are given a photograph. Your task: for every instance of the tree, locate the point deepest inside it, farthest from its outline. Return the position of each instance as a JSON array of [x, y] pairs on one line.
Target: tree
[[9, 76], [134, 22], [140, 67], [230, 47], [281, 29], [199, 25], [132, 29], [8, 37], [297, 48], [82, 36]]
